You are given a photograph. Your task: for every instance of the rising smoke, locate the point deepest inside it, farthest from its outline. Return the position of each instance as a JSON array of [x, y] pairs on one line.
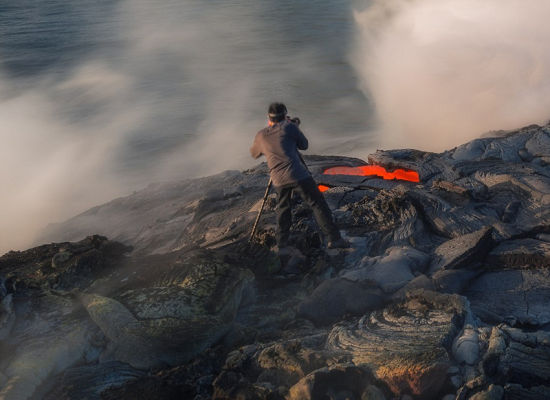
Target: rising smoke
[[116, 122], [51, 164], [183, 85], [442, 72], [176, 90]]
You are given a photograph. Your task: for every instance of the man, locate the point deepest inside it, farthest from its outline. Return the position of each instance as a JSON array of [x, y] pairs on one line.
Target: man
[[280, 142]]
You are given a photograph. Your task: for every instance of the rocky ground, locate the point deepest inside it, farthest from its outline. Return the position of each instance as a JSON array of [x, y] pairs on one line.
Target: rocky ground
[[444, 293]]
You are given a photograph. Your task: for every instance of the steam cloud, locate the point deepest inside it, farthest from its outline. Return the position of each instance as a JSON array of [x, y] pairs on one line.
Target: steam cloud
[[201, 71], [52, 165], [114, 124], [442, 72]]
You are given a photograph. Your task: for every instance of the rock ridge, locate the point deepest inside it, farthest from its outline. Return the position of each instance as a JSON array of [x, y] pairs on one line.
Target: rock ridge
[[443, 294]]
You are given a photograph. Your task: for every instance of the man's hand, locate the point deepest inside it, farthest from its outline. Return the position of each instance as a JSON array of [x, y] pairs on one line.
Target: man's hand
[[294, 120]]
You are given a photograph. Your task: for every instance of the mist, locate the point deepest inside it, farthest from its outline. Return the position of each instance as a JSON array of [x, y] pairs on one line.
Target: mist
[[150, 92], [442, 72]]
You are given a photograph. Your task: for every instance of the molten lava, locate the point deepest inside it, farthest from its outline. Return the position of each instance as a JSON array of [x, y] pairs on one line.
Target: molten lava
[[368, 170]]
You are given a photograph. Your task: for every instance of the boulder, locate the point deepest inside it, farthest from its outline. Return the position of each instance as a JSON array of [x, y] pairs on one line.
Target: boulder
[[338, 382], [462, 251], [527, 253], [407, 344], [428, 165], [255, 371], [450, 217], [518, 357], [191, 381], [495, 350], [63, 266], [390, 210], [493, 392], [526, 359], [470, 151], [170, 324], [466, 346], [336, 297], [454, 280], [391, 271], [420, 282], [90, 381], [538, 145], [520, 294]]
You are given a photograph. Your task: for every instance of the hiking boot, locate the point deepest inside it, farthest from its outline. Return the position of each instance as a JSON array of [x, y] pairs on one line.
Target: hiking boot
[[338, 244]]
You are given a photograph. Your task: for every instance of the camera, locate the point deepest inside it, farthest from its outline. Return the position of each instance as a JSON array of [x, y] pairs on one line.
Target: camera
[[294, 120]]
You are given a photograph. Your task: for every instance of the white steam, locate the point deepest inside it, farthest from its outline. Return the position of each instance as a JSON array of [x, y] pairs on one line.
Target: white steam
[[174, 89], [51, 165], [118, 122], [442, 72]]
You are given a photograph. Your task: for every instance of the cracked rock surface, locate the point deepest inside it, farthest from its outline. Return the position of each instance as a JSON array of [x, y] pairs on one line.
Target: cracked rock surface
[[443, 293]]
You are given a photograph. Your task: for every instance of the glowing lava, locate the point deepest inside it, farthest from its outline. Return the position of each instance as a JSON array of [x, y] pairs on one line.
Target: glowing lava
[[369, 170]]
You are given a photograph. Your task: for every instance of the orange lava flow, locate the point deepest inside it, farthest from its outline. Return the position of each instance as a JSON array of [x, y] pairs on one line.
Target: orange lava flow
[[323, 188], [366, 170]]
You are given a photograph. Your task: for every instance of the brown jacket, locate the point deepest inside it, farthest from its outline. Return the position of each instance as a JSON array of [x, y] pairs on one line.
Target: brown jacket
[[280, 144]]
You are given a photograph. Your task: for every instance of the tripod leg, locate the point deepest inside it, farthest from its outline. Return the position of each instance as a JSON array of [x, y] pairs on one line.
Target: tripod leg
[[260, 212]]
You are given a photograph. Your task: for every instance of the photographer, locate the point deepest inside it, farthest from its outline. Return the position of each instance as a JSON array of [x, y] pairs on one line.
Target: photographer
[[280, 142]]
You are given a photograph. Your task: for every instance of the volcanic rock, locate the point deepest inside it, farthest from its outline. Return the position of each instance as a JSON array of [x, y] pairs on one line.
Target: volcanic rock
[[391, 271], [466, 346], [89, 381], [462, 251], [454, 280], [170, 324], [494, 392], [47, 336], [334, 298], [407, 344], [45, 339], [338, 382], [522, 295], [526, 359], [7, 316], [518, 392], [62, 266], [420, 282], [444, 292], [256, 371], [528, 253]]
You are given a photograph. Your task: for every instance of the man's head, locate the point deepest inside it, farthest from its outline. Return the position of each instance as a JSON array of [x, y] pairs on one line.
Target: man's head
[[276, 112]]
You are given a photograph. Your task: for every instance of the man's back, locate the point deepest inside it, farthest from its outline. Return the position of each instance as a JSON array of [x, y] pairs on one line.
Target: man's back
[[280, 143]]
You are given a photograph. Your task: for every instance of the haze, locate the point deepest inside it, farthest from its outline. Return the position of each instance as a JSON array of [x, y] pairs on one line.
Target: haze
[[181, 87], [442, 72]]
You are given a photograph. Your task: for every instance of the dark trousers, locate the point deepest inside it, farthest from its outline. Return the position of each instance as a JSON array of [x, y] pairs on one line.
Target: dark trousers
[[310, 194]]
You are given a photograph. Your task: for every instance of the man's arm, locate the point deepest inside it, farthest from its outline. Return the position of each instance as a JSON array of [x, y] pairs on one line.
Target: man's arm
[[255, 150], [301, 140]]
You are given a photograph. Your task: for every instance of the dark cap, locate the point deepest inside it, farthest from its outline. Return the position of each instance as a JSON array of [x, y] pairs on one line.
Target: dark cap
[[276, 111]]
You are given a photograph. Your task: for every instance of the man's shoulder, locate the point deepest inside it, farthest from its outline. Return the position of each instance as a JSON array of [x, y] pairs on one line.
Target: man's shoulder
[[268, 131], [262, 131]]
